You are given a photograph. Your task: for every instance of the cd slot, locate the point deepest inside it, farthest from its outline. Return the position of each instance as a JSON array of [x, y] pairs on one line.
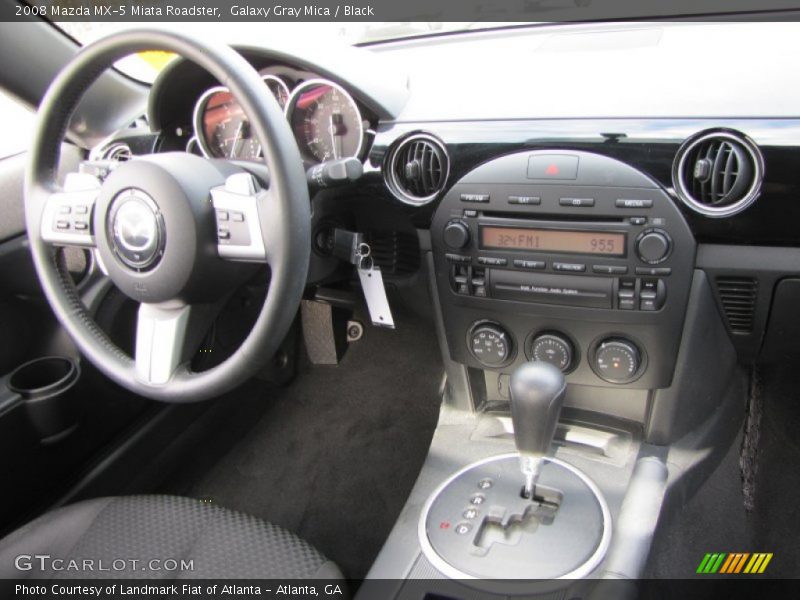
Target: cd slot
[[588, 292], [555, 218]]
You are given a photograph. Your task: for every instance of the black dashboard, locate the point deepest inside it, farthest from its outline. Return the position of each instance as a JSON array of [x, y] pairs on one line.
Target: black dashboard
[[708, 167]]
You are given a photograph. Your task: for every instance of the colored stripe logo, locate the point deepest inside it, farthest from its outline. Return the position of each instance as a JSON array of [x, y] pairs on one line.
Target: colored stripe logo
[[734, 563]]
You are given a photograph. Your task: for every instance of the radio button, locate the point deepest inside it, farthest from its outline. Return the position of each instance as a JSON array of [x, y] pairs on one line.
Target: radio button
[[456, 234], [529, 264], [633, 203], [654, 271], [648, 301], [492, 262], [578, 202], [479, 198], [458, 258], [626, 299], [637, 220], [470, 212], [528, 200], [653, 246], [572, 267], [609, 269]]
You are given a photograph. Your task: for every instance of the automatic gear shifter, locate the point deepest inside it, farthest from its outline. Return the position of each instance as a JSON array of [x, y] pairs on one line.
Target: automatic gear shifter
[[537, 393]]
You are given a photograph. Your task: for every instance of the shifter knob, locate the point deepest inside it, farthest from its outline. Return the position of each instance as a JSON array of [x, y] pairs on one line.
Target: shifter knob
[[537, 393]]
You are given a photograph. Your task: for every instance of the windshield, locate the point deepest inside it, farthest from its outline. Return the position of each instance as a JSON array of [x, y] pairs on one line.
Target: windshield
[[145, 66]]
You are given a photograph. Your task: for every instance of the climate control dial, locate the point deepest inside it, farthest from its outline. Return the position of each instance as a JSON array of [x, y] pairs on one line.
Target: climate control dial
[[617, 360], [552, 348], [490, 344]]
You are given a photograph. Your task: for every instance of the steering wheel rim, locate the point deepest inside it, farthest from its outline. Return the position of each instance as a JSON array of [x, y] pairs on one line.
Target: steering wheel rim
[[287, 225]]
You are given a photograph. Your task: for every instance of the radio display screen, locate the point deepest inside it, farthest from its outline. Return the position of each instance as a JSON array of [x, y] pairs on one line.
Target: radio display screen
[[553, 240]]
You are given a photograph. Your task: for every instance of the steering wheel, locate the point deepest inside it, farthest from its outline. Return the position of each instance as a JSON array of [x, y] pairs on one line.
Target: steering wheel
[[174, 231]]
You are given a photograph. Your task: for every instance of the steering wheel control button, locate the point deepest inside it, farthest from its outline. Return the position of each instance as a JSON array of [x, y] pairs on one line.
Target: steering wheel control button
[[136, 229], [617, 360], [653, 246], [553, 166]]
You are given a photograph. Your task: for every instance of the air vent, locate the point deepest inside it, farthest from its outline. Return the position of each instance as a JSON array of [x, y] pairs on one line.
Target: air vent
[[738, 298], [718, 173], [417, 168], [117, 153], [396, 253]]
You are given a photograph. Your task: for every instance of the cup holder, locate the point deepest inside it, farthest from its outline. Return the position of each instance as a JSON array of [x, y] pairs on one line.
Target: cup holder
[[47, 388]]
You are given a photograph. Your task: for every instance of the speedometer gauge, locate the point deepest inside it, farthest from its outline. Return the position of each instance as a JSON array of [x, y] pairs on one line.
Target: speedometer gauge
[[223, 129], [325, 120]]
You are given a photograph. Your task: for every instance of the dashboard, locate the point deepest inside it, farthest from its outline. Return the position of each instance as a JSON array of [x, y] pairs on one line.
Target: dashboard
[[565, 204]]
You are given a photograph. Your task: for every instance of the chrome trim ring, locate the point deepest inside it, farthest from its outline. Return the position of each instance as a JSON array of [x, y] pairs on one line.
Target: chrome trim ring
[[682, 189], [319, 81], [391, 179], [450, 571]]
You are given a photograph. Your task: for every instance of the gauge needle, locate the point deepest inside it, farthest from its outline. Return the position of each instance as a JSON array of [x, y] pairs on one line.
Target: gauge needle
[[336, 137], [236, 138]]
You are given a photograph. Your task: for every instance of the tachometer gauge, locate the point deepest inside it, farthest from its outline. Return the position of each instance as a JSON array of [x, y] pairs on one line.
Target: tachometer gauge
[[325, 120]]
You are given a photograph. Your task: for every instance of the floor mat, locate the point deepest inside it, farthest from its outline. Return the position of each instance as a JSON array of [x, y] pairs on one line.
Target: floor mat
[[715, 519], [333, 456]]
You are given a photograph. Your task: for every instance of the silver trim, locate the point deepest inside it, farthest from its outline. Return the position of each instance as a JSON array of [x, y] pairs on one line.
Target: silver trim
[[232, 196], [320, 81], [197, 123], [582, 571], [391, 180], [197, 120], [682, 189], [160, 335], [79, 189]]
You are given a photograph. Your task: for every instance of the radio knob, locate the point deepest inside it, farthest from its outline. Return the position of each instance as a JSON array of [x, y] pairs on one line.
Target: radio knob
[[553, 349], [653, 246], [617, 360], [456, 234], [489, 344]]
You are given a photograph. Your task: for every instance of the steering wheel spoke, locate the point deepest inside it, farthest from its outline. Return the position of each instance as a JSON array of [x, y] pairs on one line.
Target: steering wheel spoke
[[238, 206], [160, 342], [67, 214]]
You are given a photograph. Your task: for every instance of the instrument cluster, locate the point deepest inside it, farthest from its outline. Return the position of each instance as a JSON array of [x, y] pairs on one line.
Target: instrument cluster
[[325, 119]]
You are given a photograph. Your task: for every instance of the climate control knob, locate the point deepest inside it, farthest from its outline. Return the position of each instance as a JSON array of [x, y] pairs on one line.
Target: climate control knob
[[653, 246], [456, 234], [553, 349], [490, 344], [617, 360]]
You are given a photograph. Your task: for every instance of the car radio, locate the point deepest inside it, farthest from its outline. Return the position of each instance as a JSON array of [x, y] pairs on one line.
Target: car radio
[[567, 244]]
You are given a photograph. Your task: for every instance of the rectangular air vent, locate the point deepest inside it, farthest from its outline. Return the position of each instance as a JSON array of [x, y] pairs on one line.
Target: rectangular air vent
[[738, 297]]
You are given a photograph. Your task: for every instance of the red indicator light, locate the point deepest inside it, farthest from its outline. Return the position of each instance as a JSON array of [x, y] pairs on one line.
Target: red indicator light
[[552, 170], [444, 525]]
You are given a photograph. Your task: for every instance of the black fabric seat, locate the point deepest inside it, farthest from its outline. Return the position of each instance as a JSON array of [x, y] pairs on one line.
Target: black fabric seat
[[212, 542]]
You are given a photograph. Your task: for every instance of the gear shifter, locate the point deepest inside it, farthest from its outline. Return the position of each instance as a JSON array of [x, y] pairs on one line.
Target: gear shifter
[[537, 393]]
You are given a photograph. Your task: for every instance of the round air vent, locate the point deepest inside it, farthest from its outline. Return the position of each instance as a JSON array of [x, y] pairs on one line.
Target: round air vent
[[718, 173], [117, 152], [417, 168]]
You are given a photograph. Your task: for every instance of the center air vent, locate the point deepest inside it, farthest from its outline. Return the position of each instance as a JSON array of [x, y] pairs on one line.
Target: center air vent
[[718, 173], [738, 297], [416, 169]]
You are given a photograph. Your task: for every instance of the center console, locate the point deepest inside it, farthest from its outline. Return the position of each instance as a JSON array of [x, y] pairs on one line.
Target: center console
[[566, 257], [561, 276]]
